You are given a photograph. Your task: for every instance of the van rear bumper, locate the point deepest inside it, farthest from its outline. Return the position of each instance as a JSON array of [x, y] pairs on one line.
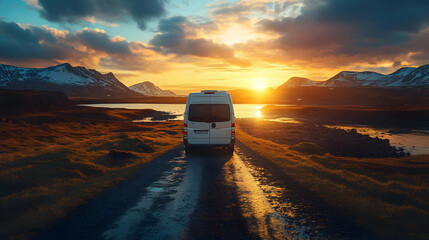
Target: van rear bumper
[[186, 143]]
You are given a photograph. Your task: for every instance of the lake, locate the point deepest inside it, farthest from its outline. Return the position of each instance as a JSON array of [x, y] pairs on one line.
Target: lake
[[241, 110], [415, 142]]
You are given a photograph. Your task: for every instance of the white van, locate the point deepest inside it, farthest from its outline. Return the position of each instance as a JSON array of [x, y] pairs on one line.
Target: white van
[[209, 120]]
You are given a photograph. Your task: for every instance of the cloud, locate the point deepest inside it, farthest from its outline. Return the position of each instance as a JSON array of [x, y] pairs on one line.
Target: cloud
[[33, 3], [40, 46], [178, 35], [100, 41], [420, 47], [376, 19], [234, 9], [33, 45], [336, 33], [29, 43], [242, 11], [109, 11]]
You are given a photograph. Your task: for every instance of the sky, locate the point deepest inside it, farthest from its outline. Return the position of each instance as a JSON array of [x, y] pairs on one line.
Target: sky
[[188, 45]]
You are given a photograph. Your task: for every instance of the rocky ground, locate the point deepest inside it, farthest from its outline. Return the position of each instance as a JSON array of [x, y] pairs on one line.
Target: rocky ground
[[337, 142]]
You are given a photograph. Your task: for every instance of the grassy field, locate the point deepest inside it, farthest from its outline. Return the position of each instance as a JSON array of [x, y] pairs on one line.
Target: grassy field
[[54, 161], [388, 196]]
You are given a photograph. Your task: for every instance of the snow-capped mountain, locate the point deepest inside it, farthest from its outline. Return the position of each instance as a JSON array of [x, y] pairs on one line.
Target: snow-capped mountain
[[418, 77], [73, 81], [148, 88], [353, 79], [403, 77]]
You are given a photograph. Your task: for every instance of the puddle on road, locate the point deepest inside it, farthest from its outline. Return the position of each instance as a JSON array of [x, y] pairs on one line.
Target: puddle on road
[[165, 209]]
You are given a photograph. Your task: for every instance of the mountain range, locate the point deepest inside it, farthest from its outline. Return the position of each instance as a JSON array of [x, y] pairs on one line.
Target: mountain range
[[403, 77], [73, 81], [83, 82]]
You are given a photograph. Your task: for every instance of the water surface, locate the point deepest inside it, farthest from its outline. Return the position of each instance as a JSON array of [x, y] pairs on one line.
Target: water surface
[[241, 110]]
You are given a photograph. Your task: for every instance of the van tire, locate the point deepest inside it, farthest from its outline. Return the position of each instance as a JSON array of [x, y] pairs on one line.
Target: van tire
[[230, 150]]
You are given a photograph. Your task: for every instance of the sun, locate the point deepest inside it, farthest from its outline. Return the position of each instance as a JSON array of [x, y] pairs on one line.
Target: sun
[[259, 85]]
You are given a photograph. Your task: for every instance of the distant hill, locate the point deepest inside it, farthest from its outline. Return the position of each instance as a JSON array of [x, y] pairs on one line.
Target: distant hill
[[73, 81], [300, 82], [403, 77], [149, 89]]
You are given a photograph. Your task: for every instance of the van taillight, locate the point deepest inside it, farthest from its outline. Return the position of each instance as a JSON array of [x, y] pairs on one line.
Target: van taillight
[[209, 92], [233, 125], [233, 130], [185, 130]]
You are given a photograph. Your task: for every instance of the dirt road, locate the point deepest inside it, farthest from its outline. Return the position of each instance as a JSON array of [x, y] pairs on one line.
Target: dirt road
[[205, 195]]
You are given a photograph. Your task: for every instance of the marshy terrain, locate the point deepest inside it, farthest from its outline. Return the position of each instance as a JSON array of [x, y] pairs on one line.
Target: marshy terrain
[[52, 161], [361, 177]]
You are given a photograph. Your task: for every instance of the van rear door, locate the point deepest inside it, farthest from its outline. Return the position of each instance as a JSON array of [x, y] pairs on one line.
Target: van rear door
[[220, 127], [198, 122]]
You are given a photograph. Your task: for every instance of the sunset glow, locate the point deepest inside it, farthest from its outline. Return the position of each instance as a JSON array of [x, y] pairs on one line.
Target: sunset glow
[[259, 85], [184, 46], [236, 34]]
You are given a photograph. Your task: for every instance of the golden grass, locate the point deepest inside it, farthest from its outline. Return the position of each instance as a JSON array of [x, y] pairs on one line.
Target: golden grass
[[46, 170], [389, 196]]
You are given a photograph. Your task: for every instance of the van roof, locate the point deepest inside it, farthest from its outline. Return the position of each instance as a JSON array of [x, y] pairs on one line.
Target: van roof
[[207, 93], [212, 91], [210, 96]]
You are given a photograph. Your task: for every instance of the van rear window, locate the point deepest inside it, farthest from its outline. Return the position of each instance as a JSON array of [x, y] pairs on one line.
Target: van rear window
[[209, 113]]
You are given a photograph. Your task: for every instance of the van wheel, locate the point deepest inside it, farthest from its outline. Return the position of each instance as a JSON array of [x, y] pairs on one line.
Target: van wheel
[[230, 150]]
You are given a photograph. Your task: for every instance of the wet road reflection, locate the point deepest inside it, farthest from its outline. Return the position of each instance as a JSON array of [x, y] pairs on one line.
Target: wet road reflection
[[205, 195]]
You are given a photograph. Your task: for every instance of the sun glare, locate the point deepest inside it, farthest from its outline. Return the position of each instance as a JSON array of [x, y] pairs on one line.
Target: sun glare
[[259, 85]]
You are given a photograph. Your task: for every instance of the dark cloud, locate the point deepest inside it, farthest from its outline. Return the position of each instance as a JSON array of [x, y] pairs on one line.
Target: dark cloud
[[100, 41], [140, 11], [352, 30], [176, 36], [33, 42], [371, 18], [87, 47], [419, 43]]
